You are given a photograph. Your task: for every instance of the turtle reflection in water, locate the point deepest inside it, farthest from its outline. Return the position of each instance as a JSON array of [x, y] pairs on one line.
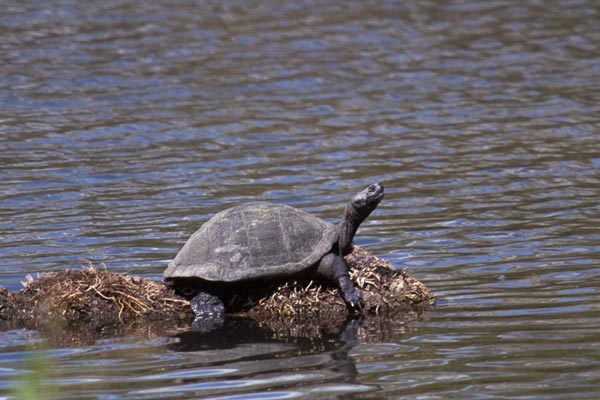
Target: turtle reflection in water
[[258, 242]]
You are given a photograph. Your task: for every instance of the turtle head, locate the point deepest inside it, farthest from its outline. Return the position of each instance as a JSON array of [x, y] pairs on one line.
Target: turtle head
[[358, 208], [366, 201]]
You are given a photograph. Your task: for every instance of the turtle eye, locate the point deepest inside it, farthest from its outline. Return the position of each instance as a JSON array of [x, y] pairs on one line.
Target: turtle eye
[[371, 189]]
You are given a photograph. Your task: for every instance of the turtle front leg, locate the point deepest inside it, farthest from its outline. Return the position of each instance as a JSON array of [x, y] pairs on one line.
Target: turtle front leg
[[209, 310], [332, 267]]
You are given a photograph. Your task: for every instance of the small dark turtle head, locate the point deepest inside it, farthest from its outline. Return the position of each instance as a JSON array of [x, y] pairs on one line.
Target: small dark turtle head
[[366, 201], [357, 210]]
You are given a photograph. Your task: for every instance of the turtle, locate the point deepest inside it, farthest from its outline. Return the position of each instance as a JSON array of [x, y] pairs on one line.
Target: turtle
[[263, 242]]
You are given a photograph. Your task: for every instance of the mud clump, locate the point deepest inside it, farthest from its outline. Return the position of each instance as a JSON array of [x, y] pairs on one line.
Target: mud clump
[[97, 299]]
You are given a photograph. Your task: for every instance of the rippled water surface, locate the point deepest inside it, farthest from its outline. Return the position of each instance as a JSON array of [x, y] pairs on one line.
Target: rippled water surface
[[124, 125]]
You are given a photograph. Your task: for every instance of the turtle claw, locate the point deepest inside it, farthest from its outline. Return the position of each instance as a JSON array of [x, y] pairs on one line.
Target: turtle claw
[[354, 300]]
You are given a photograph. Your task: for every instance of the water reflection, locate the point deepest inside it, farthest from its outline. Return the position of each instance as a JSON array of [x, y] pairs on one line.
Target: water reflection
[[254, 359], [240, 358]]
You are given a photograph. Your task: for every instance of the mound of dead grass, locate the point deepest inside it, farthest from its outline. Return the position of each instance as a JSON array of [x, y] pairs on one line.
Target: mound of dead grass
[[385, 289], [97, 298], [97, 295]]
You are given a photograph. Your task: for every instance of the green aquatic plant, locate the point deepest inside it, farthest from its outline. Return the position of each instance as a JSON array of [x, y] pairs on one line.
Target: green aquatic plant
[[34, 382]]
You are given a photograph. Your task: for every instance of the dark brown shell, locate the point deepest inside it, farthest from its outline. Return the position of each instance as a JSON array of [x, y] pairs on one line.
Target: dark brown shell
[[254, 240]]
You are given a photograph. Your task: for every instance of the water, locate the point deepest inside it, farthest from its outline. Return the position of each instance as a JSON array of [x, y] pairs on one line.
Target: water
[[125, 125]]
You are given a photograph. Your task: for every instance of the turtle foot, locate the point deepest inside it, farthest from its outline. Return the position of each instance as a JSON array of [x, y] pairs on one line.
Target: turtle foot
[[354, 298], [209, 310]]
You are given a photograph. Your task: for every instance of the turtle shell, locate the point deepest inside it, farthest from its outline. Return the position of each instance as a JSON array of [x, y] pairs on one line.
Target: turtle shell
[[254, 240]]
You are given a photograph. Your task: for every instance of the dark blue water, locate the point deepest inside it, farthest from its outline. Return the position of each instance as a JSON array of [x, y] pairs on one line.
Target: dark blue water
[[125, 125]]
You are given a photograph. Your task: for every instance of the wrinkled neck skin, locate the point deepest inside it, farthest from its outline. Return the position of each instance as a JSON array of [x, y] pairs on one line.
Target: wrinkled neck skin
[[347, 228]]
